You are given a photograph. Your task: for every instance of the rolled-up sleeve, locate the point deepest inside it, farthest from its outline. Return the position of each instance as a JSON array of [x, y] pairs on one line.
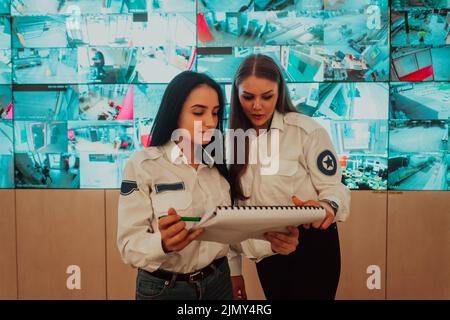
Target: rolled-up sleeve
[[326, 171], [235, 260], [253, 249], [138, 242]]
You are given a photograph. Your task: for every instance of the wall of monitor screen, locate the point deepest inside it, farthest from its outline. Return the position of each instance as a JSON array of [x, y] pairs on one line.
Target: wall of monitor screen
[[81, 81]]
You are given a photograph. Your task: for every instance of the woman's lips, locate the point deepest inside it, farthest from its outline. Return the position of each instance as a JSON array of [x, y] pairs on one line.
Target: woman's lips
[[207, 135], [257, 116]]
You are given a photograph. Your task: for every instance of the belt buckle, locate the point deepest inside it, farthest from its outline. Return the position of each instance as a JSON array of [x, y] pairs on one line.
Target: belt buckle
[[193, 276]]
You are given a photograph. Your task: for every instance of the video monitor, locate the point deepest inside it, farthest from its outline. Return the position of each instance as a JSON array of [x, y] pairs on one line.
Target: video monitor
[[304, 96], [428, 136], [247, 29], [5, 7], [5, 32], [258, 5], [45, 66], [419, 100], [147, 99], [418, 155], [361, 63], [172, 5], [336, 63], [410, 136], [103, 102], [5, 66], [222, 63], [361, 146], [119, 30], [143, 129], [414, 4], [345, 101], [422, 63], [303, 63], [419, 171], [6, 105], [6, 154], [103, 137], [288, 5], [44, 102], [59, 170], [51, 7], [99, 170], [420, 27], [162, 63], [356, 22], [40, 136], [108, 65]]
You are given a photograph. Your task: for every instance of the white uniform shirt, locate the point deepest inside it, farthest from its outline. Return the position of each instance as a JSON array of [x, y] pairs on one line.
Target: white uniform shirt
[[308, 168], [155, 180]]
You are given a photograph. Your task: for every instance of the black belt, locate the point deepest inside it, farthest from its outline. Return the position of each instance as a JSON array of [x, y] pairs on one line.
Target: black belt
[[191, 277]]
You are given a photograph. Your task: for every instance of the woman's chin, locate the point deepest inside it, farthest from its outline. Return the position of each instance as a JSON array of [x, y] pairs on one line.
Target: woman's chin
[[259, 123], [203, 142]]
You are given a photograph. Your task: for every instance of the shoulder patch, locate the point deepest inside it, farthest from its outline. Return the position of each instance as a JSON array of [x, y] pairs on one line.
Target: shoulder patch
[[302, 121], [128, 187], [151, 153], [326, 163]]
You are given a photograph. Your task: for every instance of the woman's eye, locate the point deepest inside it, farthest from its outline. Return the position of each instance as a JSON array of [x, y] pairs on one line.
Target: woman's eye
[[198, 113], [267, 97], [247, 97]]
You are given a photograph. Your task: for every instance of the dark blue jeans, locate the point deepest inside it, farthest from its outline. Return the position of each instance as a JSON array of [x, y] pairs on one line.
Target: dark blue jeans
[[216, 286]]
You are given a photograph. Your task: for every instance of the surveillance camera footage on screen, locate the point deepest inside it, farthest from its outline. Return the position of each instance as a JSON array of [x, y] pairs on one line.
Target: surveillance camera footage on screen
[[81, 81]]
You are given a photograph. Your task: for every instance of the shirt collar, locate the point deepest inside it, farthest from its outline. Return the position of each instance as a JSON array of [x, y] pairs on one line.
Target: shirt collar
[[176, 155], [207, 158], [277, 121]]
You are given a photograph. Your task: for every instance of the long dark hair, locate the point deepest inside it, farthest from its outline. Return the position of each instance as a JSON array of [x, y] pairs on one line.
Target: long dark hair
[[175, 95], [261, 66]]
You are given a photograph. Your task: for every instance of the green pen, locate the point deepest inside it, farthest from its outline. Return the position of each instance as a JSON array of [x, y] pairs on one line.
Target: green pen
[[193, 219]]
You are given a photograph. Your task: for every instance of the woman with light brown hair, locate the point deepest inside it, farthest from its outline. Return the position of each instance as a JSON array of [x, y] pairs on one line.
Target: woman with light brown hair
[[308, 175]]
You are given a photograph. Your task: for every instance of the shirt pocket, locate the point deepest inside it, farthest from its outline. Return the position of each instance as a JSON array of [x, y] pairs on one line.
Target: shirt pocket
[[180, 200], [280, 184], [287, 168]]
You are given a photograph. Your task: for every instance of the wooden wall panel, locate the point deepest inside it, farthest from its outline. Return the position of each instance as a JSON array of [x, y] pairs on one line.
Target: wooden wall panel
[[418, 252], [121, 278], [363, 244], [57, 229], [8, 262]]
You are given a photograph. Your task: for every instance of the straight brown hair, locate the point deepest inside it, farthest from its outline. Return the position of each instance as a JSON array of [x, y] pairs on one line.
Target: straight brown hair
[[260, 66]]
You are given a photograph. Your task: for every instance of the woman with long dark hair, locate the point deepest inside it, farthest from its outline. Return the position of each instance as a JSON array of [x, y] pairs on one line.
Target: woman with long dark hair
[[171, 184], [308, 174]]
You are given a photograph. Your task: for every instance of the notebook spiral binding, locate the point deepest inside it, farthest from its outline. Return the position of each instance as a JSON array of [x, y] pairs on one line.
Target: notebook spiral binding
[[255, 208]]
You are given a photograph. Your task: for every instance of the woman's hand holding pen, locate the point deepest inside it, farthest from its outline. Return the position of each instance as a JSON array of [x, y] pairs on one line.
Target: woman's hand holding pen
[[326, 222], [283, 243], [174, 235]]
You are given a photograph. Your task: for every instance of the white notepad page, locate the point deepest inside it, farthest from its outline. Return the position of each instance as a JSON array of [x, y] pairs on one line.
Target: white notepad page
[[234, 224]]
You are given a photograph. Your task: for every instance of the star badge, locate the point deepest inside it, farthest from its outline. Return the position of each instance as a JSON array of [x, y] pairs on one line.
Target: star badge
[[326, 162]]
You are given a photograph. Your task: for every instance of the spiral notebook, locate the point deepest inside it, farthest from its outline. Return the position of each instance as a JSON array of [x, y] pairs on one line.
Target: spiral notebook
[[233, 224]]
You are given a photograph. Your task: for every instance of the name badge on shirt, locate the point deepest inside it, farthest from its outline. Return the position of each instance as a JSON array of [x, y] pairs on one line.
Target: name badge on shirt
[[161, 187]]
